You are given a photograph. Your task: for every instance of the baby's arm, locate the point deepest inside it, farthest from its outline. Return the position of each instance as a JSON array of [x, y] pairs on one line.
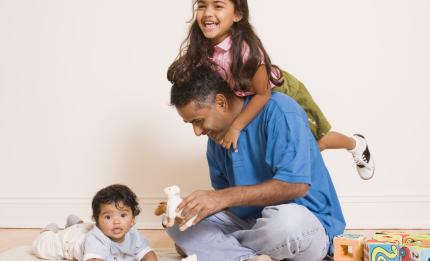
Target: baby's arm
[[263, 92], [150, 256]]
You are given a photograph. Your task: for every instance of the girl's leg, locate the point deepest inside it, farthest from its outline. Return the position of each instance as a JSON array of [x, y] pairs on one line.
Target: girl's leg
[[356, 145], [336, 140], [320, 127]]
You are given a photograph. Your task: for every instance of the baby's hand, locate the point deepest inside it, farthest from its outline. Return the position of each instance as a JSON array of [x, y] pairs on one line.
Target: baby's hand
[[230, 139]]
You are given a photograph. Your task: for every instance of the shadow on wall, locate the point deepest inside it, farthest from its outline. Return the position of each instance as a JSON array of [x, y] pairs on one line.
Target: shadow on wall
[[150, 161]]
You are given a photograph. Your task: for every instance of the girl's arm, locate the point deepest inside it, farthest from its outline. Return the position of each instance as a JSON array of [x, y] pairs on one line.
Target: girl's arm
[[150, 256], [263, 92]]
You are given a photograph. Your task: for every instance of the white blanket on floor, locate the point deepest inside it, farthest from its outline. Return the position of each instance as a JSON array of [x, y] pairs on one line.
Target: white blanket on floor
[[22, 253]]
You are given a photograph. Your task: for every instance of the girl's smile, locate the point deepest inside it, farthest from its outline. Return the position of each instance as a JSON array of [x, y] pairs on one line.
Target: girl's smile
[[215, 18]]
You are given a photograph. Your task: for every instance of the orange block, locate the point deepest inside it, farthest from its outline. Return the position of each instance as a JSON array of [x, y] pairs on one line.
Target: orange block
[[348, 247]]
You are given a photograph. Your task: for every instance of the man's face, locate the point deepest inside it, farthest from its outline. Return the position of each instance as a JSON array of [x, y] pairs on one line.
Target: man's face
[[211, 120]]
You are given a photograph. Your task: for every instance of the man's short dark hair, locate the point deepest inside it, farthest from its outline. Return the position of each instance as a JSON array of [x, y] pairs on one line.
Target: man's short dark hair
[[202, 87], [116, 194]]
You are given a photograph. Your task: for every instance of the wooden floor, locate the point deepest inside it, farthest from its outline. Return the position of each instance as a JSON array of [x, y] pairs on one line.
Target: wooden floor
[[10, 238]]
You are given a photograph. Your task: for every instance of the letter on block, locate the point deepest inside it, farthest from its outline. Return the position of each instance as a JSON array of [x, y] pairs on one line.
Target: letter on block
[[419, 253]]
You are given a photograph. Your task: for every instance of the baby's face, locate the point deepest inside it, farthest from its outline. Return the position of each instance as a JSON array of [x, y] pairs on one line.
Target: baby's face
[[115, 221]]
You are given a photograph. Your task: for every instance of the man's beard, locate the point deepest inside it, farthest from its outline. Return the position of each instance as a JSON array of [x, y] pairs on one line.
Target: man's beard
[[216, 136]]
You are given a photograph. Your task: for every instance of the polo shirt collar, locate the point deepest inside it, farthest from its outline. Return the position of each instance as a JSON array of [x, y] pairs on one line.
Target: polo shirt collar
[[100, 235], [225, 44]]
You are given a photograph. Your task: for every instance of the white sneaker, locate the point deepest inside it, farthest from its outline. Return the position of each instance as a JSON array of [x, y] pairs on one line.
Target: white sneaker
[[362, 158]]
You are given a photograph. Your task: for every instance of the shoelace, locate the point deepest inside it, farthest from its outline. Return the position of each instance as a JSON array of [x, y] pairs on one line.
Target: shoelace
[[361, 160]]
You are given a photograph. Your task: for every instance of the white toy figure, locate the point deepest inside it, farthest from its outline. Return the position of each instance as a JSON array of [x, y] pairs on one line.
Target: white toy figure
[[173, 200]]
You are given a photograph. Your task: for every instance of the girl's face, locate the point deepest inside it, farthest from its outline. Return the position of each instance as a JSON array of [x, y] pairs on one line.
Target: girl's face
[[215, 18], [115, 221]]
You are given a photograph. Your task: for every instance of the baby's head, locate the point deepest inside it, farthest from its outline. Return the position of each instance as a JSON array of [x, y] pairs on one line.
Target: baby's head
[[114, 210]]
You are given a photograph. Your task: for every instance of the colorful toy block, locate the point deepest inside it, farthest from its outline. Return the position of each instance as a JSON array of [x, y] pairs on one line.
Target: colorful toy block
[[398, 234], [393, 238], [348, 247], [418, 239], [405, 253], [419, 253], [383, 246], [375, 250]]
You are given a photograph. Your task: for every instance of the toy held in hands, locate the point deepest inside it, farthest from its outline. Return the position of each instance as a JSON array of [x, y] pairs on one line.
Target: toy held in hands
[[173, 200], [161, 208]]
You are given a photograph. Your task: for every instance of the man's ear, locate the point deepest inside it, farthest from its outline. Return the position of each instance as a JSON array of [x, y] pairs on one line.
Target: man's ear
[[221, 102]]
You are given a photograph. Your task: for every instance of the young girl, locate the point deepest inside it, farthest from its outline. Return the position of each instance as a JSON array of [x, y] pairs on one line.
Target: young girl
[[222, 37]]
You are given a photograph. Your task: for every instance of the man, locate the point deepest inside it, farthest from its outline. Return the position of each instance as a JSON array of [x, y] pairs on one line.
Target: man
[[273, 196]]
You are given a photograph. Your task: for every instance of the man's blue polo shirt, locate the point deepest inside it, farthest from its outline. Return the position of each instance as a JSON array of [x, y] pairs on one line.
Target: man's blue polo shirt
[[278, 144]]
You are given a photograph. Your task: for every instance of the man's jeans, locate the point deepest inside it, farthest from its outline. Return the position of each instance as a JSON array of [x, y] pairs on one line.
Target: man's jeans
[[288, 231]]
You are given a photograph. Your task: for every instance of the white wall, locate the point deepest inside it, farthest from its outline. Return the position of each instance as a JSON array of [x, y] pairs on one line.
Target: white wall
[[84, 101]]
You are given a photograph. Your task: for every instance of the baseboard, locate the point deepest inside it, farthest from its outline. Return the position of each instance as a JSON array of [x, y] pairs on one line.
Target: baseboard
[[37, 212], [387, 211], [361, 212]]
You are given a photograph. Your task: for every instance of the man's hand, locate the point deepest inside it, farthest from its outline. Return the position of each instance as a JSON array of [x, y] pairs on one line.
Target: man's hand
[[200, 203], [230, 138]]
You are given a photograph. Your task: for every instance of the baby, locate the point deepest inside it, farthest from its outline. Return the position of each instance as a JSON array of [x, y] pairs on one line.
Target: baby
[[113, 238]]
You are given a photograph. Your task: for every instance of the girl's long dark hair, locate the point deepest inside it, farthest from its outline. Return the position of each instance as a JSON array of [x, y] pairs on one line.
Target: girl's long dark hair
[[195, 50]]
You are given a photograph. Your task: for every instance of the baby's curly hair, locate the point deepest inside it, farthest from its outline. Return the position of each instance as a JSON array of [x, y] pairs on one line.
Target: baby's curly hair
[[117, 194]]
